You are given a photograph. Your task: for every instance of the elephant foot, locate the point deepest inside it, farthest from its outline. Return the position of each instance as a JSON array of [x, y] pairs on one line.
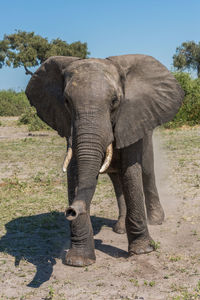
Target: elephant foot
[[155, 215], [141, 245], [79, 257], [119, 226]]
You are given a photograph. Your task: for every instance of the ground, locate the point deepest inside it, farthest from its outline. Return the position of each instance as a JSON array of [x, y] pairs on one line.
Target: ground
[[34, 234]]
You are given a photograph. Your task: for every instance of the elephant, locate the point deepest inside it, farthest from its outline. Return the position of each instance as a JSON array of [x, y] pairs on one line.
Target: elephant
[[107, 110], [155, 214]]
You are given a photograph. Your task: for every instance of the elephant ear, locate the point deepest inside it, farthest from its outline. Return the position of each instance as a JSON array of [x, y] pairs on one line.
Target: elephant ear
[[152, 96], [45, 92]]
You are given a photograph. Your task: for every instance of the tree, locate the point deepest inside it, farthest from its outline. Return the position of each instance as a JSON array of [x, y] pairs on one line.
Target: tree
[[25, 49], [188, 57]]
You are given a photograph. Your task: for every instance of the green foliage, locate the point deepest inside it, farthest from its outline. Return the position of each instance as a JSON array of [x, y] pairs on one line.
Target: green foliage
[[187, 57], [155, 245], [31, 119], [189, 113], [13, 103], [150, 283], [27, 49], [17, 104]]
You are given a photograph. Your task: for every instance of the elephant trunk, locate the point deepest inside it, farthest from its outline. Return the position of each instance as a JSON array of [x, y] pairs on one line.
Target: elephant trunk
[[89, 154], [89, 145], [78, 207]]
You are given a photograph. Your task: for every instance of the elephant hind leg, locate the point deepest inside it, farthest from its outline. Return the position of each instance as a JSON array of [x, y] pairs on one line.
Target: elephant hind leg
[[155, 212], [119, 226], [136, 225]]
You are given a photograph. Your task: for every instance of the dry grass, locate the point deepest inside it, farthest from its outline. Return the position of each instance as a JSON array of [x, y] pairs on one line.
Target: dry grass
[[35, 234]]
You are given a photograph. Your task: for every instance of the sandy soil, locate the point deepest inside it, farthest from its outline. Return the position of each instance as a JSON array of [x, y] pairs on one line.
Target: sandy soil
[[171, 272]]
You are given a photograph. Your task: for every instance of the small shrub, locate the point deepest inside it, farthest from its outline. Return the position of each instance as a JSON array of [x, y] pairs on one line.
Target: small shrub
[[31, 119], [175, 258], [152, 283], [155, 245], [13, 103]]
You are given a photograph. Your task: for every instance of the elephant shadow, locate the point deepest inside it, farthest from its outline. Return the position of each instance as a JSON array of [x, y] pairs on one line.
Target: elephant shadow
[[40, 239]]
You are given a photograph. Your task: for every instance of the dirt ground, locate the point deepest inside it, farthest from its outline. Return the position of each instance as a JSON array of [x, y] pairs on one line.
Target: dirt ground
[[35, 235]]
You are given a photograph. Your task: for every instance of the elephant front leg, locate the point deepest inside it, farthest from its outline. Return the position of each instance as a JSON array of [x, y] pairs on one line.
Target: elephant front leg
[[136, 225], [119, 227], [81, 252]]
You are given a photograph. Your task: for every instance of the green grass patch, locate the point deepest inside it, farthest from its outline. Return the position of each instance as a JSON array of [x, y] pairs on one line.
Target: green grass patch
[[182, 146], [185, 294], [31, 178]]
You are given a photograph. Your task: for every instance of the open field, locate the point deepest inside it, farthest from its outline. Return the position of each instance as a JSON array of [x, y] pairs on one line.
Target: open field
[[34, 234]]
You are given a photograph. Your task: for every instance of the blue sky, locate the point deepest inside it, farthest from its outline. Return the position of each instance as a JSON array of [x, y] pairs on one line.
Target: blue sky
[[110, 27]]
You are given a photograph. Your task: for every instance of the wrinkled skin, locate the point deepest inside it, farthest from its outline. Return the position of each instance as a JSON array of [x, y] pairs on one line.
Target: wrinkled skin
[[95, 102], [155, 213]]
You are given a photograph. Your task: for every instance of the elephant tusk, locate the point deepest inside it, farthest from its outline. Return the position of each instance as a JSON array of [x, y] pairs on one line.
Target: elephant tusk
[[67, 159], [107, 161]]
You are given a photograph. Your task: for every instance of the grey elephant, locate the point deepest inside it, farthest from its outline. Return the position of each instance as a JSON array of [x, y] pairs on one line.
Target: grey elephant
[[107, 109]]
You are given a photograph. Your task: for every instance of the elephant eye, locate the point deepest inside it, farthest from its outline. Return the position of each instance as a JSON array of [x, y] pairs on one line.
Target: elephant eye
[[67, 101], [114, 102]]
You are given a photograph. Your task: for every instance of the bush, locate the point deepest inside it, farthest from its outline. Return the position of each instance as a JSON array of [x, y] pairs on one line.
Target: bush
[[31, 119], [189, 113], [17, 104], [13, 103]]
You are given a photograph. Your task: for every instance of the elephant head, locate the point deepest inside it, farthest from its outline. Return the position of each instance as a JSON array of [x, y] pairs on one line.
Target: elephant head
[[102, 101]]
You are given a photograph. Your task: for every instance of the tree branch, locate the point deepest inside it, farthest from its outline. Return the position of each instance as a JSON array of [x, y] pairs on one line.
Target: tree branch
[[27, 71]]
